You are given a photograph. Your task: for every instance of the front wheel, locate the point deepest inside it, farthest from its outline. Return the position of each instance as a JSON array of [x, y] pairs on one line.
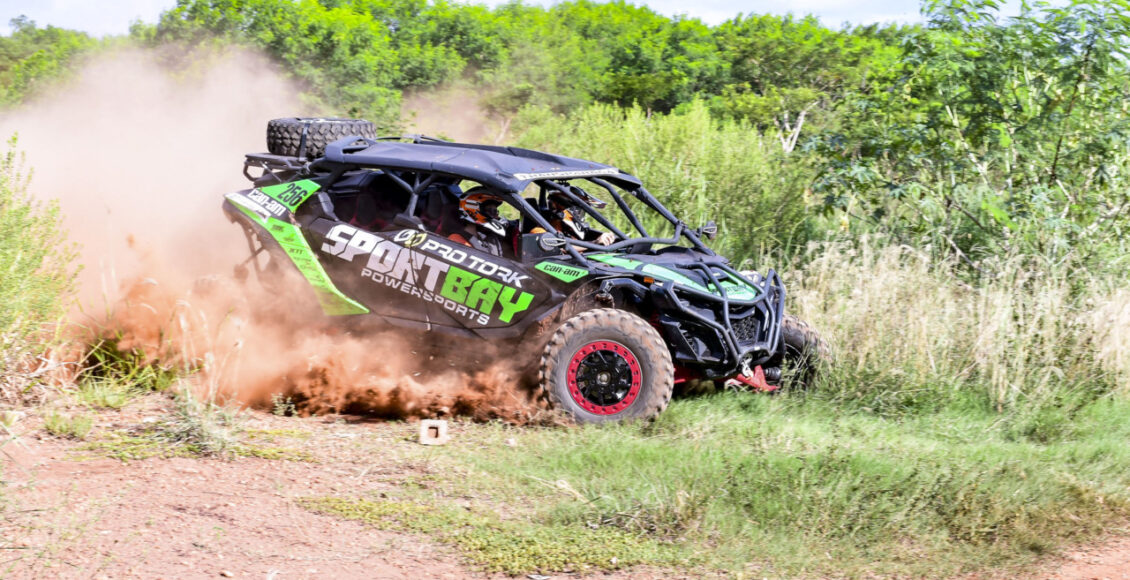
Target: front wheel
[[803, 350], [607, 365]]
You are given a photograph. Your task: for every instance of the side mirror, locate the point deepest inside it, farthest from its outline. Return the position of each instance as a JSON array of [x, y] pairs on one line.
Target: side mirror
[[550, 242], [532, 246], [710, 230]]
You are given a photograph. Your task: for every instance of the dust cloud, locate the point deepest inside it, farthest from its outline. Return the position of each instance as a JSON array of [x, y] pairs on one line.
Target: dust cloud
[[134, 149], [138, 153], [450, 113], [279, 353]]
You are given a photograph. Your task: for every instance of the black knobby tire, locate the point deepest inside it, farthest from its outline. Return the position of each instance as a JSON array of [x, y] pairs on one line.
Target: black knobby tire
[[607, 365], [803, 350], [285, 136]]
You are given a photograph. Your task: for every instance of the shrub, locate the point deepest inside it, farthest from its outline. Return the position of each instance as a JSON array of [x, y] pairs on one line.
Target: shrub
[[36, 276]]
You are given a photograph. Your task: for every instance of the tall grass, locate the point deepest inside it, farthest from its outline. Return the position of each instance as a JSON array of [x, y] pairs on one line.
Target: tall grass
[[36, 277], [204, 416], [1110, 324], [912, 335], [162, 337], [917, 325], [802, 487], [962, 426]]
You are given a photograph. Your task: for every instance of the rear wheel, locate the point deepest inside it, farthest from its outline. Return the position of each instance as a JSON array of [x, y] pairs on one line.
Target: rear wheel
[[308, 136], [607, 365]]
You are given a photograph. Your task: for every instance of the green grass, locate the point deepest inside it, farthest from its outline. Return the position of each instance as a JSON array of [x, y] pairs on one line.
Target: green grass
[[512, 546], [126, 447], [911, 338], [199, 421], [156, 441], [784, 486], [105, 363], [105, 393], [274, 453], [274, 434], [111, 378], [68, 426], [36, 278]]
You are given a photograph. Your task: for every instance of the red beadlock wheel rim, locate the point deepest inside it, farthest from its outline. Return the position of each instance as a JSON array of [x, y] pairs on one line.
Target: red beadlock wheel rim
[[604, 377]]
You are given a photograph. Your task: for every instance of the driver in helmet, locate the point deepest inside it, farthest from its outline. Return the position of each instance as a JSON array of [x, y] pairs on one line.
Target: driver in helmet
[[569, 218], [482, 227]]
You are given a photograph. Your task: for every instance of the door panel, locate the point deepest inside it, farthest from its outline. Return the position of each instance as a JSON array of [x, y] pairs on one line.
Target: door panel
[[477, 290], [421, 276]]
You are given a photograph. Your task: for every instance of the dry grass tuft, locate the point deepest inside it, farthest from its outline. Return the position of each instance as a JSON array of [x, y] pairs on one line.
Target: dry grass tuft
[[904, 325]]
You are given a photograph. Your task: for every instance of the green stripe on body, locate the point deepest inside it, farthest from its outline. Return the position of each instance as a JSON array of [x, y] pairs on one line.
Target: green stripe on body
[[290, 238], [734, 290]]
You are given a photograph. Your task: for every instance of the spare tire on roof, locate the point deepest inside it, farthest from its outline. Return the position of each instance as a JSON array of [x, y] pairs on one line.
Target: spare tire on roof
[[308, 136]]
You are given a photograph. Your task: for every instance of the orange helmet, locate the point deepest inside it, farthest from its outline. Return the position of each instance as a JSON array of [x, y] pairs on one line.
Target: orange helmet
[[566, 214], [481, 208]]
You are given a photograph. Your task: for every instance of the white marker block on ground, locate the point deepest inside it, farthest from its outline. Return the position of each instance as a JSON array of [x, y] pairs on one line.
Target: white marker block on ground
[[433, 432]]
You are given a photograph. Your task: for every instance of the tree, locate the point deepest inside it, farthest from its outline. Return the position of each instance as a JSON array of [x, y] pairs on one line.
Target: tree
[[997, 132], [784, 72], [32, 56]]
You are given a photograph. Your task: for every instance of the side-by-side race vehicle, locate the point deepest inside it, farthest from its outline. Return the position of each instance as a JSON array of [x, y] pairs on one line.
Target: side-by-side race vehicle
[[616, 321]]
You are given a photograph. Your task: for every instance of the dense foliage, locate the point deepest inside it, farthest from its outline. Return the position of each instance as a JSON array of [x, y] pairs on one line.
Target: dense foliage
[[994, 137], [702, 167], [977, 138], [973, 134], [31, 54]]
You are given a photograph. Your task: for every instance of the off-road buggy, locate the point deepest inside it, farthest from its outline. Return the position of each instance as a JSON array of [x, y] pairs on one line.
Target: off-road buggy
[[612, 327]]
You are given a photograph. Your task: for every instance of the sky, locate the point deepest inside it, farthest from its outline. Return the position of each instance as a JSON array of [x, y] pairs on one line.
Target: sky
[[103, 17]]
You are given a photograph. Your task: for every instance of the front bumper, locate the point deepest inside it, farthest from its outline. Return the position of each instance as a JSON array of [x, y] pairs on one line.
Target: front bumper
[[713, 335]]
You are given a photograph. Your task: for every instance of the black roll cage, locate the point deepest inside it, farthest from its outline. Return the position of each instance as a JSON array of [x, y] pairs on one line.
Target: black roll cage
[[280, 168]]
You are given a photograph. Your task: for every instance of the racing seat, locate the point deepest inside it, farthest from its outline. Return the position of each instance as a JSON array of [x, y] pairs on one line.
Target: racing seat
[[439, 209], [377, 202]]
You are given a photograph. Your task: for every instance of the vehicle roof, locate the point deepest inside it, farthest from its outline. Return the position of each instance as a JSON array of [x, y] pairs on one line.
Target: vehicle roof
[[507, 169]]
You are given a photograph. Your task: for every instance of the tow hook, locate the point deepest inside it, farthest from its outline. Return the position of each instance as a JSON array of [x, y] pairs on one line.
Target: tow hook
[[752, 378]]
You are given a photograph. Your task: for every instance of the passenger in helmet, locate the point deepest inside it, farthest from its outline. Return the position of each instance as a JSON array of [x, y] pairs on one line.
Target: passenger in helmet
[[483, 228], [570, 218]]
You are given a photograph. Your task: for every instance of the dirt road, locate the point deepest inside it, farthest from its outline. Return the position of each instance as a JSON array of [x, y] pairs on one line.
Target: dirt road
[[186, 517], [1108, 560], [69, 511]]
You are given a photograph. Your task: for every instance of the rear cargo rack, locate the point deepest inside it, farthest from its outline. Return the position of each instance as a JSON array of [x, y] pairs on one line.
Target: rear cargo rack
[[281, 168], [278, 167]]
